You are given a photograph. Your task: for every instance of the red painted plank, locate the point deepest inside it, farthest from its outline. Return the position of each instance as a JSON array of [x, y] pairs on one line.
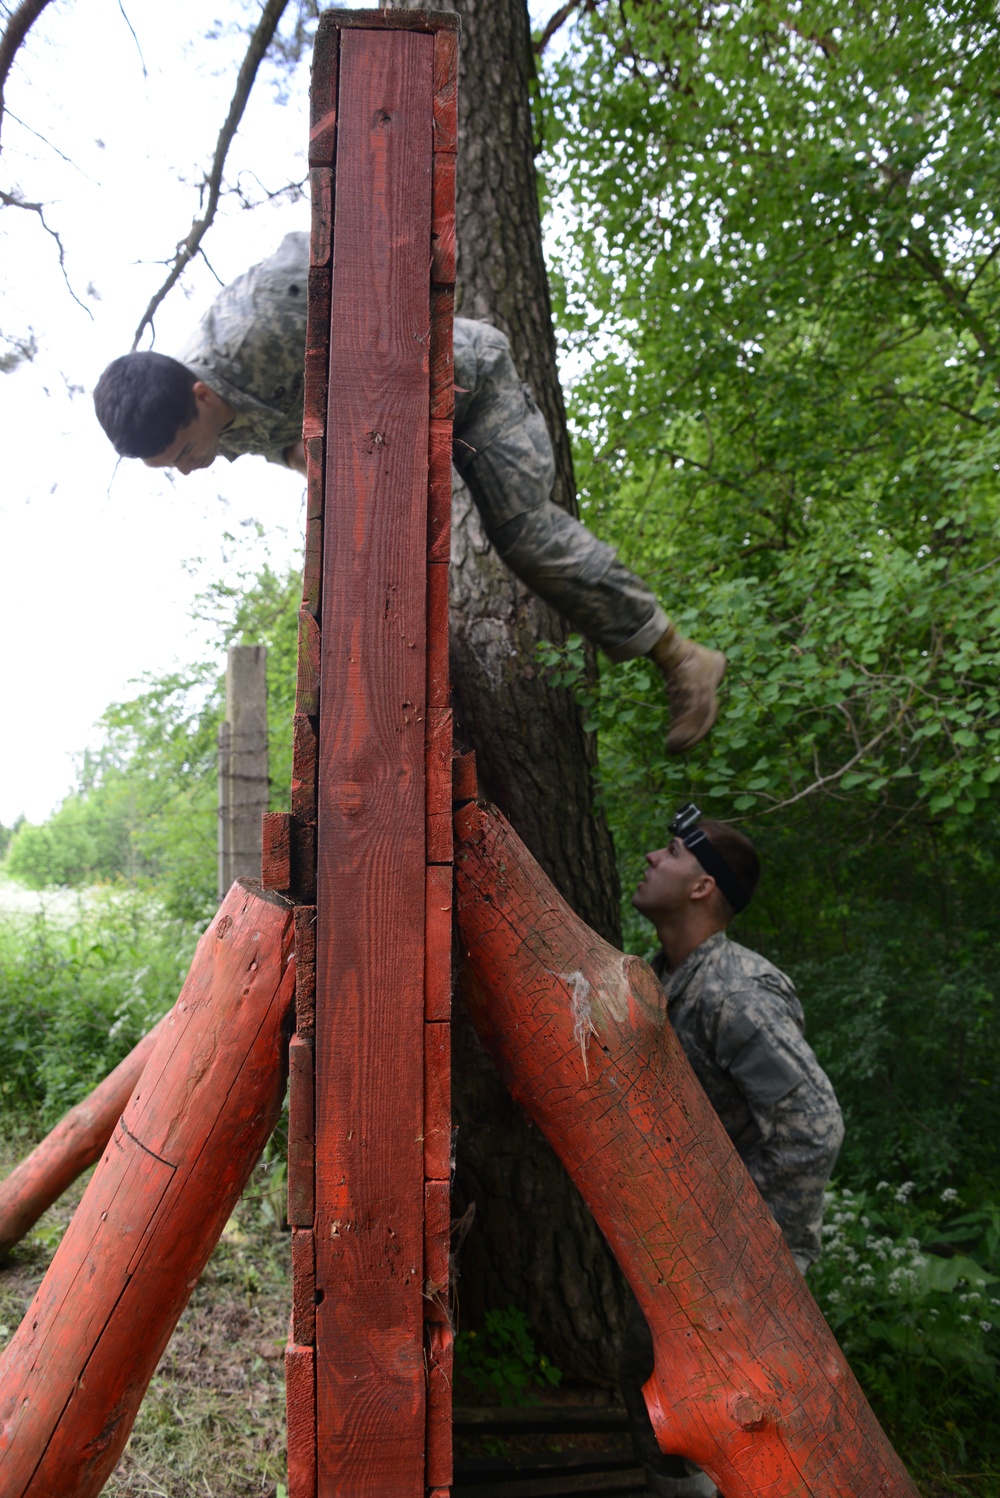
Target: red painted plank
[[748, 1381], [439, 492], [443, 222], [305, 971], [189, 1137], [323, 102], [303, 1287], [438, 686], [437, 952], [465, 786], [276, 850], [301, 1133], [446, 91], [312, 569], [442, 394], [439, 834], [321, 203], [307, 690], [305, 768], [437, 1102], [370, 897], [74, 1144], [437, 1244], [300, 1401]]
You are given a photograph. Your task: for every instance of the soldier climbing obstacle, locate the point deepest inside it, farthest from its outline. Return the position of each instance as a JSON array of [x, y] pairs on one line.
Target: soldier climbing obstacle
[[237, 388]]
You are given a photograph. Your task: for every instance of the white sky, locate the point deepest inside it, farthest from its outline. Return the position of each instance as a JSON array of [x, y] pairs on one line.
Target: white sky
[[95, 588]]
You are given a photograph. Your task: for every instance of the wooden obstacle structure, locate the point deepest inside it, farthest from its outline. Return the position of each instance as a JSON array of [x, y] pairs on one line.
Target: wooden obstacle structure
[[748, 1380]]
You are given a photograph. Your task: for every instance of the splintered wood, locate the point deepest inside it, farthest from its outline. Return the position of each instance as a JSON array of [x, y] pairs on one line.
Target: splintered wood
[[369, 1355]]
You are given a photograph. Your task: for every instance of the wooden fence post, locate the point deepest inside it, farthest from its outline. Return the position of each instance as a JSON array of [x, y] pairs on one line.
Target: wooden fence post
[[242, 765]]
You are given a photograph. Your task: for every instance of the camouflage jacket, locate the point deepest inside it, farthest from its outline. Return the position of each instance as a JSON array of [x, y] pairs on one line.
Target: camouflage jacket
[[740, 1024], [249, 347]]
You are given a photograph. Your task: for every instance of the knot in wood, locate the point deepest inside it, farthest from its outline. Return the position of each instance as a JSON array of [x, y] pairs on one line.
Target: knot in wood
[[749, 1414]]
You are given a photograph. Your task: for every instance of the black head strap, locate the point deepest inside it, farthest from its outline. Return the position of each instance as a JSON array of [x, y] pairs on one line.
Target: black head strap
[[696, 841]]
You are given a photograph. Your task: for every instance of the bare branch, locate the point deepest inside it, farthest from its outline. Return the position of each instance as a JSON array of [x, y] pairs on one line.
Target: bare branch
[[11, 200], [189, 247], [17, 28], [553, 24]]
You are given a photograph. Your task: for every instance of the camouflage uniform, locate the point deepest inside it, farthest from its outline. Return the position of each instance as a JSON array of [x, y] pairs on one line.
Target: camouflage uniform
[[249, 347], [740, 1024]]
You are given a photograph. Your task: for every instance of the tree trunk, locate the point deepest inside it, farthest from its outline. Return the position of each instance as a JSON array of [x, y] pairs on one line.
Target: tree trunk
[[533, 1243]]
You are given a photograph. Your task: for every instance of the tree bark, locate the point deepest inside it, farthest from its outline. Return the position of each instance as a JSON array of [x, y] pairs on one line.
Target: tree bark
[[533, 1243]]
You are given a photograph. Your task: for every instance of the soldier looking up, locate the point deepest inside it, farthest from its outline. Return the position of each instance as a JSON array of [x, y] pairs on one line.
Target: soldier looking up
[[237, 387], [740, 1025]]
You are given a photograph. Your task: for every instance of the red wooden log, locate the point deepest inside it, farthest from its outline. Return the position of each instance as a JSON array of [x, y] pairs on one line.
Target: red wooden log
[[72, 1378], [74, 1144], [748, 1381]]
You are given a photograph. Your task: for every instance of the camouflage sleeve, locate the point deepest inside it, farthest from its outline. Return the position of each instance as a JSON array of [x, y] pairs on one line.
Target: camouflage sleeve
[[795, 1109]]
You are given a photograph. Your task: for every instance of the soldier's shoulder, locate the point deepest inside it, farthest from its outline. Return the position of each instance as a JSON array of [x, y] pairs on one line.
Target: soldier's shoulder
[[743, 964]]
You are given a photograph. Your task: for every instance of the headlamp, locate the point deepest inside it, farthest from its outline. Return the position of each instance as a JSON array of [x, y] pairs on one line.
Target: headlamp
[[695, 839]]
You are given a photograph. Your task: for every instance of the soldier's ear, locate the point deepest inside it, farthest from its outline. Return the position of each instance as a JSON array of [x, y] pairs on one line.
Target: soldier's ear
[[703, 888]]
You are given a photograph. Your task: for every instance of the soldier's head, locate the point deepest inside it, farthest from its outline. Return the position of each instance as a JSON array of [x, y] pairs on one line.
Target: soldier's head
[[707, 872], [152, 407]]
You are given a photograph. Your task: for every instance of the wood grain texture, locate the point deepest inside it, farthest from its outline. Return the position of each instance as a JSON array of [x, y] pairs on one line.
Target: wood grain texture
[[748, 1381], [443, 222], [437, 635], [276, 850], [305, 971], [300, 1400], [442, 354], [307, 687], [437, 948], [77, 1140], [440, 1361], [303, 1330], [312, 563], [187, 1141], [464, 782], [370, 896], [321, 237], [438, 771], [305, 767], [301, 1133], [323, 101], [439, 491], [437, 1102], [446, 92]]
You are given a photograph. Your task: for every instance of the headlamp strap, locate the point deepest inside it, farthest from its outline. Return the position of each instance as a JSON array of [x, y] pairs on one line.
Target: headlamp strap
[[713, 863]]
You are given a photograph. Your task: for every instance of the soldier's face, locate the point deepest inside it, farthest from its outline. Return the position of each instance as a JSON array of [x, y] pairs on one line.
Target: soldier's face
[[671, 874], [196, 445]]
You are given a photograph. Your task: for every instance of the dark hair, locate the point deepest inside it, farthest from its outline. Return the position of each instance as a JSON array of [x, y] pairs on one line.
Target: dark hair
[[739, 853], [142, 401]]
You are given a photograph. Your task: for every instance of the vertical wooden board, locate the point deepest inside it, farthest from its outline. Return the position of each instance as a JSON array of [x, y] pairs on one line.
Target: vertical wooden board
[[438, 687], [446, 90], [305, 971], [437, 1102], [371, 1401], [305, 767], [307, 687], [321, 202], [300, 1398], [443, 223], [442, 393], [312, 568], [276, 850], [437, 948], [439, 834], [301, 1133], [303, 1287], [437, 1246], [439, 492], [440, 1361], [323, 101]]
